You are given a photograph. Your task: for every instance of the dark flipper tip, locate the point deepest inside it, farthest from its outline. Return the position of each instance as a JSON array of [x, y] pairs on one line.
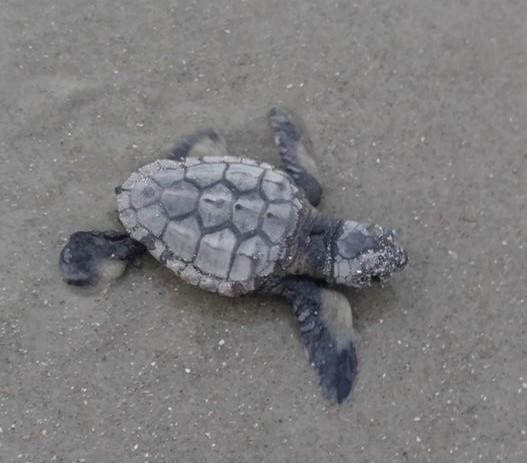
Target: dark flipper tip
[[344, 374], [336, 366], [77, 260], [90, 255]]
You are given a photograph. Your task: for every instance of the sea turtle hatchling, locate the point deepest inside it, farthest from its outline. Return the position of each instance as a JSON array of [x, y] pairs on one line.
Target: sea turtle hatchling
[[234, 226]]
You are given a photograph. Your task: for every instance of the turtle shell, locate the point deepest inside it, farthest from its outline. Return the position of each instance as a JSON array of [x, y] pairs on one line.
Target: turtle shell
[[221, 223]]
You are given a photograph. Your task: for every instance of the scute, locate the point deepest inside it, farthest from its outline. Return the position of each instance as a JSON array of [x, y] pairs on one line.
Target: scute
[[279, 221], [208, 283], [246, 212], [215, 252], [215, 205], [128, 218], [182, 238], [276, 186], [132, 180], [180, 199], [206, 174], [242, 267], [191, 275], [177, 266], [123, 201], [166, 178], [153, 218], [145, 192], [243, 177], [254, 249]]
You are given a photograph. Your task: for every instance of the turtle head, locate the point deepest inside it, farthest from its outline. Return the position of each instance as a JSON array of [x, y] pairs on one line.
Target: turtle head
[[366, 253]]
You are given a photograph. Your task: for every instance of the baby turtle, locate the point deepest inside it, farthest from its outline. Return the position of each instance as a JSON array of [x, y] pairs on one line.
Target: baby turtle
[[234, 226]]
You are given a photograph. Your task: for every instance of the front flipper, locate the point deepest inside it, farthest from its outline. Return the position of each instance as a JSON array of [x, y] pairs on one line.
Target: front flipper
[[90, 256], [296, 152], [205, 142], [326, 325]]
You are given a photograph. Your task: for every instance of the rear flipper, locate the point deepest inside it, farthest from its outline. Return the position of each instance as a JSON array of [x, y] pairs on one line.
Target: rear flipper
[[204, 142], [91, 256], [326, 325]]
